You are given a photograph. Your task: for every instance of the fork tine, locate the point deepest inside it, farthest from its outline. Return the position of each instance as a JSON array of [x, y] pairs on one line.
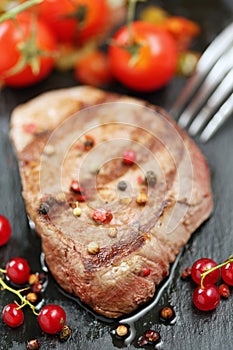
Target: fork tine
[[213, 52], [216, 99], [212, 80], [224, 113]]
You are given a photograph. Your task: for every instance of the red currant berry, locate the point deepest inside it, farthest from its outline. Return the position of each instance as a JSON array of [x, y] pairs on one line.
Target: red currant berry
[[202, 265], [5, 230], [12, 316], [18, 270], [227, 273], [51, 318], [129, 157], [224, 291], [206, 298]]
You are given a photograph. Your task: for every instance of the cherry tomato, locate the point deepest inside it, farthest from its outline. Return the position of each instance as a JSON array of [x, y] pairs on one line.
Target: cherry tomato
[[12, 316], [16, 36], [182, 29], [51, 318], [18, 270], [74, 20], [143, 58], [93, 69], [5, 230]]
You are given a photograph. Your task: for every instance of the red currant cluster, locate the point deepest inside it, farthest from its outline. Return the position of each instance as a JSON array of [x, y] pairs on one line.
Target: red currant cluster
[[51, 318], [206, 273]]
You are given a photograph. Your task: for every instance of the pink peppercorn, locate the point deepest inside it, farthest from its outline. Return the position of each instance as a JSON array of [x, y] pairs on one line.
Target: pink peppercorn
[[102, 216], [129, 157]]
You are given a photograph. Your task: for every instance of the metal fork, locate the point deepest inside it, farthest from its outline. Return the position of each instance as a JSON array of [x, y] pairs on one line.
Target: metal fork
[[206, 101]]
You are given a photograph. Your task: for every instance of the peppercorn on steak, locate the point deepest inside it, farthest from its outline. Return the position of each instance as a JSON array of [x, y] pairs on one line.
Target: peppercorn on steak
[[115, 189]]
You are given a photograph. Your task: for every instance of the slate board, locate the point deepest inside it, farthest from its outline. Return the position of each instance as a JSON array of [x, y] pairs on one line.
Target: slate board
[[193, 329]]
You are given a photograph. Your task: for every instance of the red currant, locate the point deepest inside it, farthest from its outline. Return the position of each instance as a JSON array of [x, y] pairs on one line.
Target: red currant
[[18, 270], [51, 318], [206, 298], [202, 265], [129, 157], [12, 316], [5, 230], [227, 273]]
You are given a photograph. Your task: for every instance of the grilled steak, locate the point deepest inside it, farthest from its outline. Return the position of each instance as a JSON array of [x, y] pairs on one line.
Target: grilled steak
[[115, 189]]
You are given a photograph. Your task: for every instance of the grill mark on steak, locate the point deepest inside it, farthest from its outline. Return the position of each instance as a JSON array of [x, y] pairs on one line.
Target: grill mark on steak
[[114, 253]]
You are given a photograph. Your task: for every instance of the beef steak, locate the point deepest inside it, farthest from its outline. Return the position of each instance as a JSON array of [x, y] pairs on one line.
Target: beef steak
[[110, 225]]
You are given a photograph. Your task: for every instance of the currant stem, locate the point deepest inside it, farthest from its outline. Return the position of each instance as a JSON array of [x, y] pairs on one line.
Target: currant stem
[[204, 274], [17, 292], [2, 270], [17, 9]]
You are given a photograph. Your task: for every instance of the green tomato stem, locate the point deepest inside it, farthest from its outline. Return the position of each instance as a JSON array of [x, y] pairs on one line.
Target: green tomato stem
[[17, 9], [131, 15], [132, 10], [17, 292]]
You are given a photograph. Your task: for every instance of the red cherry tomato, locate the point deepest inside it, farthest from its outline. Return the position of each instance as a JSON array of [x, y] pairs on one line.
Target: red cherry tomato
[[93, 69], [182, 29], [12, 316], [51, 318], [5, 230], [16, 34], [18, 270], [74, 20], [143, 58]]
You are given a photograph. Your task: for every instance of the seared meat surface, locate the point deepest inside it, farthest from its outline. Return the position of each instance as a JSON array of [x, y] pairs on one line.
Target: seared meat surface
[[71, 144]]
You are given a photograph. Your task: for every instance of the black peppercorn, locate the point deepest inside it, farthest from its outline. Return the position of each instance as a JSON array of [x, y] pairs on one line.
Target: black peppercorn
[[44, 208], [122, 185], [151, 178], [88, 144]]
